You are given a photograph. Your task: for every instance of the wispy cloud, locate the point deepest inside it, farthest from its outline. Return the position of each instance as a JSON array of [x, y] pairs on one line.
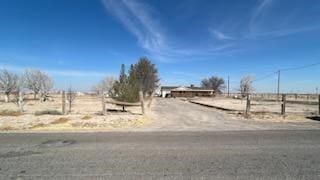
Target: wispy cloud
[[258, 12], [263, 12], [219, 35], [137, 18], [282, 32], [261, 24]]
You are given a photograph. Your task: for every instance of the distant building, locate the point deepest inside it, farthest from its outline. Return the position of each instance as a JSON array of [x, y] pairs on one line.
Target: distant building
[[192, 91], [166, 90]]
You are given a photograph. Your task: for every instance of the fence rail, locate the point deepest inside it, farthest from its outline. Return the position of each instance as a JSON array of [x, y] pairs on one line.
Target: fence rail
[[310, 103]]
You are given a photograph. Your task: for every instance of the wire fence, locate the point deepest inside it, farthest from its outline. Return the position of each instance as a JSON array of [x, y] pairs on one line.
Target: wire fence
[[303, 104]]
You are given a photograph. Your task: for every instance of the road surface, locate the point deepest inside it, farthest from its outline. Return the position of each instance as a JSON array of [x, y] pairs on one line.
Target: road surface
[[161, 155]]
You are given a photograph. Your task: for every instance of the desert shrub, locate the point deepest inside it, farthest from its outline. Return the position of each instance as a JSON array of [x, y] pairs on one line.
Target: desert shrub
[[10, 113], [47, 112], [86, 117], [40, 125]]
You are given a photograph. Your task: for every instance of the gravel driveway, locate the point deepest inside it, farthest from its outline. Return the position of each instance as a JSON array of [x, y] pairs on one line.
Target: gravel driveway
[[178, 115]]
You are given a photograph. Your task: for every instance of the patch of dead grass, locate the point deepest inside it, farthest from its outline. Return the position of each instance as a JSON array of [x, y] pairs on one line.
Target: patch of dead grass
[[86, 117], [84, 125], [47, 112], [10, 113], [40, 125], [7, 128], [60, 121]]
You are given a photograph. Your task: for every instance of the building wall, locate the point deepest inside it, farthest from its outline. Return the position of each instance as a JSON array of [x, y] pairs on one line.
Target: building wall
[[191, 93], [164, 93]]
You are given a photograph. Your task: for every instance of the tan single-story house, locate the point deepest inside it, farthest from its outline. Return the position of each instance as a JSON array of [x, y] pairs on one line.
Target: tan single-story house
[[192, 91]]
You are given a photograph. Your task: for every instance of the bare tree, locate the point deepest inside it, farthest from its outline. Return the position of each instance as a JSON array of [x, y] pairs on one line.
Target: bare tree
[[38, 82], [71, 96], [246, 85], [8, 83], [214, 83], [105, 85], [19, 95]]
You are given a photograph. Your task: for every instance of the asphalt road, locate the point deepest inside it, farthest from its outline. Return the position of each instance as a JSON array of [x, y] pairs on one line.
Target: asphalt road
[[161, 155]]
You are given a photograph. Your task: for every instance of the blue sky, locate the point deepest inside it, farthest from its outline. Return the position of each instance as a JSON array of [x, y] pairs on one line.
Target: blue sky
[[79, 42]]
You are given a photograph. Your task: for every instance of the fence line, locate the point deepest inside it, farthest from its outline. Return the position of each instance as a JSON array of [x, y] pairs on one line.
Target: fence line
[[283, 104]]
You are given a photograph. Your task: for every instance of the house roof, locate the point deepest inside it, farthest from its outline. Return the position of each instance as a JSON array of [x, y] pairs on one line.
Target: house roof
[[183, 88], [168, 87]]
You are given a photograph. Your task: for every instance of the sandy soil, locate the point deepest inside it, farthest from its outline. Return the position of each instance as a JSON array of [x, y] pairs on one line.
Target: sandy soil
[[162, 115], [180, 115], [85, 115], [263, 110]]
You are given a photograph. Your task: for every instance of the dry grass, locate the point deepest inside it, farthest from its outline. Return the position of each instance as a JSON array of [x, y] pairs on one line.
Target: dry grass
[[55, 122], [10, 113], [46, 115], [86, 117], [38, 126], [47, 112], [7, 128], [60, 120]]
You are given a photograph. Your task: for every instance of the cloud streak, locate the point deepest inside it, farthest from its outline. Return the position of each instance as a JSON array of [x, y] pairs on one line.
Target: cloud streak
[[219, 35], [137, 18], [282, 32], [259, 11]]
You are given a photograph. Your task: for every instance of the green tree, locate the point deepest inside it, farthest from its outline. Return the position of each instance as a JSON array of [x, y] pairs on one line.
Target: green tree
[[120, 86], [133, 85], [147, 75], [126, 88]]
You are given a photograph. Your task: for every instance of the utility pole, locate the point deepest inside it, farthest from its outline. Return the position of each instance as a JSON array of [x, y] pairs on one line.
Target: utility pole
[[278, 90], [228, 86]]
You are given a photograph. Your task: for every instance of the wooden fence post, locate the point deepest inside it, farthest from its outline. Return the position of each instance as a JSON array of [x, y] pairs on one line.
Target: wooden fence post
[[283, 105], [20, 101], [103, 103], [319, 104], [63, 102], [248, 107], [141, 101]]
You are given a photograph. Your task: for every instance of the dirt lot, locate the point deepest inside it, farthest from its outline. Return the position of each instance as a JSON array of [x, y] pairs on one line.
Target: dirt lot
[[85, 115], [181, 115], [163, 115], [263, 110]]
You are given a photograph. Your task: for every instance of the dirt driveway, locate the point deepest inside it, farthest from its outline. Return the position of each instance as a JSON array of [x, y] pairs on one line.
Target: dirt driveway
[[179, 115]]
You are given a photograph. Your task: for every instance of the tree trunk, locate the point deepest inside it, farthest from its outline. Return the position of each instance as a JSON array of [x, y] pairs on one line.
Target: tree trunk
[[70, 106], [35, 96], [141, 98], [63, 103], [20, 102], [7, 98], [103, 104]]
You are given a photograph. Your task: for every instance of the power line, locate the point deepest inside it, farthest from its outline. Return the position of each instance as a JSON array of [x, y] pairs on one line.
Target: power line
[[266, 76], [286, 69], [300, 67]]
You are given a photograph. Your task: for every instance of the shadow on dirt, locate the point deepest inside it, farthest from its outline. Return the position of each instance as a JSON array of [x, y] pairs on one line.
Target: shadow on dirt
[[315, 118]]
